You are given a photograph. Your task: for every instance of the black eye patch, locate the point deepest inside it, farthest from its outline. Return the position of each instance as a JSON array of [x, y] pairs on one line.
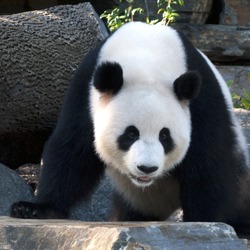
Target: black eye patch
[[166, 140], [126, 140]]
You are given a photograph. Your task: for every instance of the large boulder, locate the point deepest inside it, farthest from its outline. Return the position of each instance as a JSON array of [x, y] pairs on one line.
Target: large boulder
[[55, 234], [39, 52]]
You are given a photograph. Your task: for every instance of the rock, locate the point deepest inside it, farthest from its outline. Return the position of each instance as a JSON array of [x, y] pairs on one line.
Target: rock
[[238, 77], [30, 173], [39, 52], [59, 234], [194, 11], [12, 188], [244, 119], [235, 12], [221, 43], [98, 207], [17, 6], [238, 80]]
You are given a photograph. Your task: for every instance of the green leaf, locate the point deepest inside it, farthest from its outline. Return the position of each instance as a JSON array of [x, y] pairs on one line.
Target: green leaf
[[245, 103], [248, 76], [127, 9], [230, 83]]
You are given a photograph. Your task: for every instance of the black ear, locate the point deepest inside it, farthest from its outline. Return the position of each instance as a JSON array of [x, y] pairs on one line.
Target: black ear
[[108, 77], [187, 86]]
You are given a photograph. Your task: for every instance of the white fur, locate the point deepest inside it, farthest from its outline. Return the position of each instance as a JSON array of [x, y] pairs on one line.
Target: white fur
[[150, 54]]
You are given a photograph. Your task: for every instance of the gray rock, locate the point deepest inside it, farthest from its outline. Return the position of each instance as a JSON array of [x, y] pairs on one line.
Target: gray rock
[[98, 208], [235, 12], [58, 234], [12, 188], [244, 119], [237, 77], [39, 52], [221, 43]]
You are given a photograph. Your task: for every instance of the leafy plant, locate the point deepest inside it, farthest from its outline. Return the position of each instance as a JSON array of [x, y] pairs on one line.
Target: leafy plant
[[241, 101], [131, 10]]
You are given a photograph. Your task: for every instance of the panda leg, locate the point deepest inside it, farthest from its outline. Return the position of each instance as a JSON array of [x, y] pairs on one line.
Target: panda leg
[[71, 169], [209, 199], [70, 172]]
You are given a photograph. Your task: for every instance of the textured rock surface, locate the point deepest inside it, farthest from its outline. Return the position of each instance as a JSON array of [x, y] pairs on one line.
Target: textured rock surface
[[98, 207], [235, 12], [39, 51], [244, 119], [49, 234], [237, 76], [12, 189], [238, 79], [221, 43]]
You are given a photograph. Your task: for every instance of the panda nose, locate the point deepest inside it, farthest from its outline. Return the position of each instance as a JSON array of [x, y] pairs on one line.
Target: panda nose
[[147, 170]]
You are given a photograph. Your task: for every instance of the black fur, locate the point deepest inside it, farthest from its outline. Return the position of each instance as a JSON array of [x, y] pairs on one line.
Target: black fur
[[210, 172], [208, 175], [108, 78], [123, 211], [126, 140], [166, 140], [187, 86]]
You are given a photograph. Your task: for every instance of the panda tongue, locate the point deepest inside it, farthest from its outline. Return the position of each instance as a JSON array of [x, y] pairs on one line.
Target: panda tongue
[[144, 178]]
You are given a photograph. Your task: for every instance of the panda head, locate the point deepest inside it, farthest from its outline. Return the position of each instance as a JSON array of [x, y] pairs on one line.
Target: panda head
[[141, 130]]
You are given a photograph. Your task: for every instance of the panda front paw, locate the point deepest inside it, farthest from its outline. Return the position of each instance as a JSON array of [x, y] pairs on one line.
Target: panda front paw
[[29, 210]]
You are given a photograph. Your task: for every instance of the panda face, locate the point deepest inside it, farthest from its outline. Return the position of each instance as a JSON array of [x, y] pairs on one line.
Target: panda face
[[141, 132], [146, 167], [139, 100]]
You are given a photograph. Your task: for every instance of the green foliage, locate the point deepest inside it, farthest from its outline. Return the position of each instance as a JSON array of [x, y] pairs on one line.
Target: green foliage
[[241, 101], [128, 11]]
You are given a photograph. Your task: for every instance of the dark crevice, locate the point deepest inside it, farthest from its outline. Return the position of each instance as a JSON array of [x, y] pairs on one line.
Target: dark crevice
[[216, 9]]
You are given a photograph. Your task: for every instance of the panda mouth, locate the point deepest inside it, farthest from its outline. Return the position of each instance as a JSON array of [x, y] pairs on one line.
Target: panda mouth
[[142, 180]]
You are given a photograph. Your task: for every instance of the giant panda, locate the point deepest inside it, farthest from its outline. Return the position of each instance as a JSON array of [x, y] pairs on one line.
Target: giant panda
[[152, 112]]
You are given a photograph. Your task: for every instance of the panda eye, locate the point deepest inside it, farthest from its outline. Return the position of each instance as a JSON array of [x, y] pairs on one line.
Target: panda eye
[[127, 139], [132, 133], [164, 134]]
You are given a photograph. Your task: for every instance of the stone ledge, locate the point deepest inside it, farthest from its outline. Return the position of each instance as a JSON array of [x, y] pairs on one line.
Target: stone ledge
[[18, 234]]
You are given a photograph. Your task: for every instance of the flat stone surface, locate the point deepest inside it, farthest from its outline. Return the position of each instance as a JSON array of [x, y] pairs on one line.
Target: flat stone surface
[[17, 234]]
